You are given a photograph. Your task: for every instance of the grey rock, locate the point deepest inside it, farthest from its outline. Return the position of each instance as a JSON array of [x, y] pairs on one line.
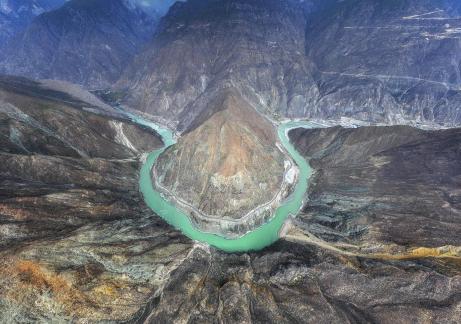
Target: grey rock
[[390, 63], [256, 47], [383, 185], [290, 283]]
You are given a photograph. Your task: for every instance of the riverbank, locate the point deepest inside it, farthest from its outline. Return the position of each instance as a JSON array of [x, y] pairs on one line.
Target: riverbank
[[264, 235]]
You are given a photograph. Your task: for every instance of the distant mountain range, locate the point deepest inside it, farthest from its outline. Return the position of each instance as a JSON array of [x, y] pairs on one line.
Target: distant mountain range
[[85, 42], [15, 15], [382, 62], [387, 62]]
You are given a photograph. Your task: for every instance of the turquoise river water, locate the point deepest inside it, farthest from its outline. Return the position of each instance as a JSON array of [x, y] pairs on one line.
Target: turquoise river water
[[258, 239]]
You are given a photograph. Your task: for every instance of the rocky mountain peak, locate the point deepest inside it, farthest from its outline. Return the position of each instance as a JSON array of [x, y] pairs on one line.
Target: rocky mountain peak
[[256, 47]]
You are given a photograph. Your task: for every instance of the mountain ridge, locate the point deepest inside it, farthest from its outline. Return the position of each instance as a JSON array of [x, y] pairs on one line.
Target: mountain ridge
[[15, 15], [281, 56], [215, 168], [84, 42]]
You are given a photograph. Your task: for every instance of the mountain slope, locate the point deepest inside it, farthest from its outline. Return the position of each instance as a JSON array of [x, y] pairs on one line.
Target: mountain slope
[[226, 166], [85, 42], [392, 62], [388, 60], [78, 244], [202, 46], [383, 185], [69, 190], [15, 15]]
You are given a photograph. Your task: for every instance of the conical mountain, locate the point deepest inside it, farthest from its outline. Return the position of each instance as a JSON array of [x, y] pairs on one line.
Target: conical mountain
[[229, 164]]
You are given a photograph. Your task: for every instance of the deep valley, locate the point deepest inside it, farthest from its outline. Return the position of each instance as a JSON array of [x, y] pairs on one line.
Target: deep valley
[[230, 161]]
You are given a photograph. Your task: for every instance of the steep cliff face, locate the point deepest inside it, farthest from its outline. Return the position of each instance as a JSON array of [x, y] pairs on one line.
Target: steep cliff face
[[85, 42], [388, 60], [228, 165], [392, 62], [202, 46]]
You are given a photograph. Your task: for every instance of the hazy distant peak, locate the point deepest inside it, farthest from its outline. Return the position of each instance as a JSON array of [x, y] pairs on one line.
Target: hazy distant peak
[[151, 6]]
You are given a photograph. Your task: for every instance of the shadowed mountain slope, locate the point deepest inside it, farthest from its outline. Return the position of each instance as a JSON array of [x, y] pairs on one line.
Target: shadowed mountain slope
[[85, 42], [15, 15]]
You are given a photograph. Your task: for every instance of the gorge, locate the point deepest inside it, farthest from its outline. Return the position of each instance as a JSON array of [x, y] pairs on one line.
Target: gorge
[[230, 161]]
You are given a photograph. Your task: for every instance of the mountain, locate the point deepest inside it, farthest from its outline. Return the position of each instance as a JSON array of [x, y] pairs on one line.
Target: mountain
[[15, 15], [378, 237], [85, 42], [294, 59], [65, 171], [392, 62], [216, 168], [213, 95], [389, 61], [201, 46], [78, 243], [383, 187]]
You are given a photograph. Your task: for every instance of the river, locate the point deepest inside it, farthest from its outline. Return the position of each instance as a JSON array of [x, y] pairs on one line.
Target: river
[[259, 238]]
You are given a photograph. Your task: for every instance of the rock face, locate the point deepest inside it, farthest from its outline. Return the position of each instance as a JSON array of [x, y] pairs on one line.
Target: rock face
[[76, 240], [256, 46], [227, 165], [53, 153], [383, 185], [388, 61], [362, 59], [292, 283], [85, 42]]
